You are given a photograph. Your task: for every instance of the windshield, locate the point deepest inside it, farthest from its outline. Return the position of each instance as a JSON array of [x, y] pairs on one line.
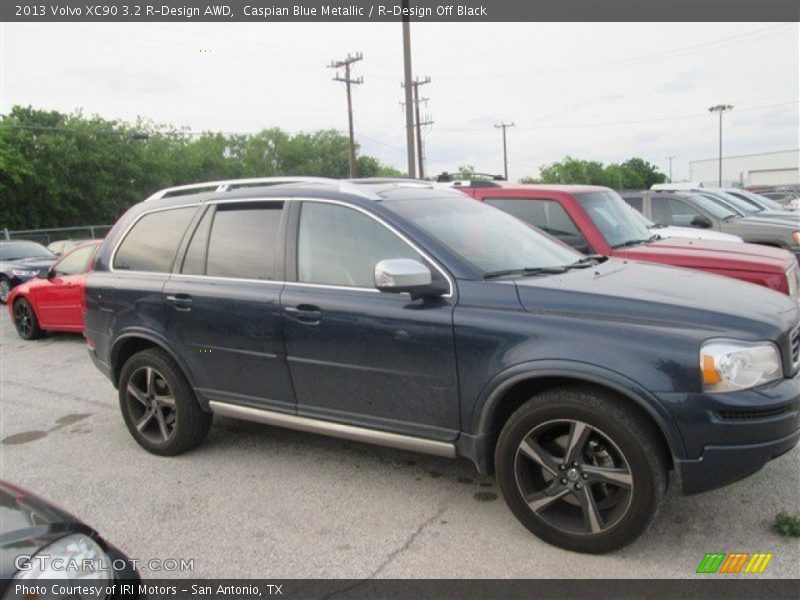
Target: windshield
[[714, 206], [762, 201], [742, 206], [641, 218], [486, 237], [17, 250], [614, 218]]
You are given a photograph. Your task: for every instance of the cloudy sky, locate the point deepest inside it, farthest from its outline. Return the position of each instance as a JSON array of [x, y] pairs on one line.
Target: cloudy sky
[[592, 90]]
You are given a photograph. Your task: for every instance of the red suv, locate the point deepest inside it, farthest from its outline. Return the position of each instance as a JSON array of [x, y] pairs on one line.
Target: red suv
[[596, 220]]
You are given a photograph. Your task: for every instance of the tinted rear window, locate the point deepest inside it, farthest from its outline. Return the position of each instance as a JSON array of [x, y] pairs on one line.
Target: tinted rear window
[[152, 242], [243, 241]]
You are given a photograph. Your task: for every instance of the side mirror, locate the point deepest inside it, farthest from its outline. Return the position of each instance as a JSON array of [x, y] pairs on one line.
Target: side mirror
[[701, 222], [398, 275], [43, 273]]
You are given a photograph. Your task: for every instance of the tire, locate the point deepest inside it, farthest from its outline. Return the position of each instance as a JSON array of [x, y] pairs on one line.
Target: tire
[[5, 288], [25, 320], [598, 497], [159, 406]]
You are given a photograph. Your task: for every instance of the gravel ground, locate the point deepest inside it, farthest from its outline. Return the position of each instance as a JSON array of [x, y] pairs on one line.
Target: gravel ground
[[257, 501]]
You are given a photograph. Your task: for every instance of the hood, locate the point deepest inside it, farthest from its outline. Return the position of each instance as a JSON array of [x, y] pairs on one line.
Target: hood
[[776, 214], [711, 255], [668, 231], [790, 223], [28, 524], [679, 299], [32, 263]]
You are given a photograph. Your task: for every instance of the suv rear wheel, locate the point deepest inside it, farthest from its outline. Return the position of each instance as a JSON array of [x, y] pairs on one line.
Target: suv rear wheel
[[159, 406], [580, 469]]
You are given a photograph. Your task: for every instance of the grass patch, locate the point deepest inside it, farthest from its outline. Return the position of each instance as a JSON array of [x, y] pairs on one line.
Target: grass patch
[[787, 525]]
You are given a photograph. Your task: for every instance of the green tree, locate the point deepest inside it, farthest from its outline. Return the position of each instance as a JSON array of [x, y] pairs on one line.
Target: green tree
[[59, 170], [634, 173]]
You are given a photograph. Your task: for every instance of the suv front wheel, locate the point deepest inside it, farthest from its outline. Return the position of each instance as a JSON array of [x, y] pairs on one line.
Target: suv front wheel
[[580, 469], [159, 406]]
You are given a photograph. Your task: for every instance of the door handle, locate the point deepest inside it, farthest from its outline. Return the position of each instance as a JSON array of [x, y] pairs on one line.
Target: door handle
[[305, 313], [180, 301]]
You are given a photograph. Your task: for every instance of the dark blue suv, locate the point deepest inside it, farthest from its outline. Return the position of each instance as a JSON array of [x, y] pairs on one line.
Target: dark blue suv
[[415, 317]]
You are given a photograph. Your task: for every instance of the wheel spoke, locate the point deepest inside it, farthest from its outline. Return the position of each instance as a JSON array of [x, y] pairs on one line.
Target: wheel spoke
[[150, 379], [591, 515], [539, 455], [578, 434], [162, 424], [168, 401], [138, 394], [618, 477], [146, 418], [541, 500]]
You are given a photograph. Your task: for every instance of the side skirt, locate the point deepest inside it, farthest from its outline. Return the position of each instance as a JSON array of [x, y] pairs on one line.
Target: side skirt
[[337, 430]]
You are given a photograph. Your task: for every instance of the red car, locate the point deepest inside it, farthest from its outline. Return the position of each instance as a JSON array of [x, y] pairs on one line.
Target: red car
[[596, 220], [55, 301]]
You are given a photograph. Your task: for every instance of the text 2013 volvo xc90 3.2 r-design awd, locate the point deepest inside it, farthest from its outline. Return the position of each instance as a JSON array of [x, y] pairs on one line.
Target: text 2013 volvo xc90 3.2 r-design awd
[[415, 317]]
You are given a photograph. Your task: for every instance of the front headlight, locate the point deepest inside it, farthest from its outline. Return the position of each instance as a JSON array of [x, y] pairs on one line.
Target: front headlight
[[730, 365], [74, 558], [23, 272]]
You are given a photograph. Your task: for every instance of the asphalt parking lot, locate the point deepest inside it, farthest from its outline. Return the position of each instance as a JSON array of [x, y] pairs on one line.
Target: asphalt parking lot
[[256, 501]]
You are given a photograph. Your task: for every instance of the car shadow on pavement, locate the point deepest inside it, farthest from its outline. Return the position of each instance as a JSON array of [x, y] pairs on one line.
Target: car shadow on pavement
[[694, 523]]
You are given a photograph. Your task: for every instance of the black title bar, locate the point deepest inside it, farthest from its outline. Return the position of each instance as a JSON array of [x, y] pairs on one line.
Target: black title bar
[[417, 10]]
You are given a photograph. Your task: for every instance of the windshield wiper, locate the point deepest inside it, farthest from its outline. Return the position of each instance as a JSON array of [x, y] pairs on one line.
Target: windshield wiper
[[636, 242], [526, 271], [587, 261], [729, 217]]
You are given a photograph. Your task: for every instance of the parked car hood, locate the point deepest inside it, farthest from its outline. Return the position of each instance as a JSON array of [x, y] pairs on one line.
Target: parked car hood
[[692, 233], [31, 263], [708, 254], [27, 524], [660, 295], [779, 223]]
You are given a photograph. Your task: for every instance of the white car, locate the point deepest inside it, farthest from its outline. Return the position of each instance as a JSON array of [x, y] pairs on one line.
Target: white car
[[692, 233]]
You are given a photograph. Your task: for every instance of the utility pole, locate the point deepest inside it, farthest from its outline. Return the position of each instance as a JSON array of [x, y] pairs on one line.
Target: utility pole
[[669, 158], [348, 81], [407, 85], [415, 85], [504, 126], [720, 108], [428, 121]]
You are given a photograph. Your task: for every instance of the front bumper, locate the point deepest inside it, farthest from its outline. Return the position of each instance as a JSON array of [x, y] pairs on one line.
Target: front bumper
[[730, 436], [721, 465]]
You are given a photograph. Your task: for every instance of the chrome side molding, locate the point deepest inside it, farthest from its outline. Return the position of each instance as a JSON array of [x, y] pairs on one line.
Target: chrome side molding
[[337, 430]]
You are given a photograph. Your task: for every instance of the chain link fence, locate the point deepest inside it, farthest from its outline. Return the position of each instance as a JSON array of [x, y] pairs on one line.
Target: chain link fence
[[46, 236]]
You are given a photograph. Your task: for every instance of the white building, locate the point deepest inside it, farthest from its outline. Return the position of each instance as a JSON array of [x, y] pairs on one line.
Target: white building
[[768, 168]]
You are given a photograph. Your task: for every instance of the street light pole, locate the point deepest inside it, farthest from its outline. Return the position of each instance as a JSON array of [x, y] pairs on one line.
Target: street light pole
[[720, 108], [669, 158]]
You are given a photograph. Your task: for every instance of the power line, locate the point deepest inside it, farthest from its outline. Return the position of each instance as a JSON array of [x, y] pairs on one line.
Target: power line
[[627, 60], [611, 123], [348, 81]]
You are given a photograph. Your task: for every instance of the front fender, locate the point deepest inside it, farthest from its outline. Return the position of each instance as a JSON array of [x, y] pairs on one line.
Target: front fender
[[476, 445]]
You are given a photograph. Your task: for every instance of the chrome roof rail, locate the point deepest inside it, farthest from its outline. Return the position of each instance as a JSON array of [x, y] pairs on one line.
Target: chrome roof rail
[[232, 184]]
